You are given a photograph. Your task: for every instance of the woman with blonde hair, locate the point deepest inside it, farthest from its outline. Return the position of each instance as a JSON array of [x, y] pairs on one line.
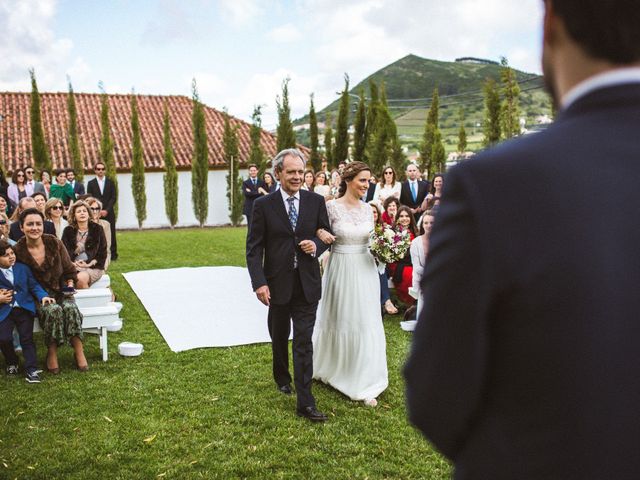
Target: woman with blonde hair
[[53, 211], [95, 206]]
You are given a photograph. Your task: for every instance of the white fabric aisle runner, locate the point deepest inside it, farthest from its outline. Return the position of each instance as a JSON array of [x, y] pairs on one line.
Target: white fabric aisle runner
[[202, 307]]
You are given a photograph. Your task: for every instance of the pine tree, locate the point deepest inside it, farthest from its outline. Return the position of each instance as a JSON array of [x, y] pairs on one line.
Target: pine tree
[[360, 130], [74, 139], [200, 160], [428, 137], [40, 153], [314, 158], [341, 146], [383, 136], [234, 183], [137, 166], [510, 113], [491, 113], [106, 145], [286, 137], [438, 156], [328, 143], [462, 134], [170, 178], [372, 112], [256, 154]]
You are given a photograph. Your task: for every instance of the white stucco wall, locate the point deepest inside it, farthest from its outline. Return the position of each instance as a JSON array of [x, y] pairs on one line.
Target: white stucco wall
[[156, 217]]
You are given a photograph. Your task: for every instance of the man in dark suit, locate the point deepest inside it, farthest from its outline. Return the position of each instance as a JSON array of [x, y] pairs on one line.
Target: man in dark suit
[[251, 190], [282, 251], [414, 190], [104, 190], [78, 186], [371, 191], [525, 356]]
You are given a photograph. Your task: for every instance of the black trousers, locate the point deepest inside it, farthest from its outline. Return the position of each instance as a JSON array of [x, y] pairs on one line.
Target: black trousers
[[111, 218], [303, 316], [23, 321]]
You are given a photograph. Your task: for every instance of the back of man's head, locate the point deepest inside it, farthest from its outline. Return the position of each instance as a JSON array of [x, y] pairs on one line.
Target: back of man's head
[[606, 29]]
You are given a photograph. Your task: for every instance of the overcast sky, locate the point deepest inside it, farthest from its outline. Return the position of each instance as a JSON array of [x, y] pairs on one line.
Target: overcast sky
[[239, 51]]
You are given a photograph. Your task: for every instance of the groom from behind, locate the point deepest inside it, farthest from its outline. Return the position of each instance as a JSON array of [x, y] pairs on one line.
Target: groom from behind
[[282, 250]]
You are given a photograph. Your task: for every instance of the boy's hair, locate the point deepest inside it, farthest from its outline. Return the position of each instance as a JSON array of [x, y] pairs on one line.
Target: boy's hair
[[4, 245]]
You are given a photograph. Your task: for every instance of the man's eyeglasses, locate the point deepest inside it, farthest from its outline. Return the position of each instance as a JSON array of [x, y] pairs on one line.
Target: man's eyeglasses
[[99, 169], [29, 172], [57, 207]]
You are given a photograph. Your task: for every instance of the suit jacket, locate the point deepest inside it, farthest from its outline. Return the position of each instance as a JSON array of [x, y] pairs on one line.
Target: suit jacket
[[531, 368], [251, 193], [15, 233], [271, 244], [78, 188], [370, 192], [25, 286], [38, 187], [108, 197], [406, 198]]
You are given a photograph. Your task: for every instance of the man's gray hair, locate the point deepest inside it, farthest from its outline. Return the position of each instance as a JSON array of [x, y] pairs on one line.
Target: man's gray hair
[[277, 161]]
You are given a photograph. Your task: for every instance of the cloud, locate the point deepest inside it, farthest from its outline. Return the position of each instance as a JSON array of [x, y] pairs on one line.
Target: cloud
[[27, 40], [172, 23], [285, 34], [240, 12]]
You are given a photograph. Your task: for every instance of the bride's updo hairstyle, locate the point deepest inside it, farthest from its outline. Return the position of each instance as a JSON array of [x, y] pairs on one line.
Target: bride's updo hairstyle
[[350, 172]]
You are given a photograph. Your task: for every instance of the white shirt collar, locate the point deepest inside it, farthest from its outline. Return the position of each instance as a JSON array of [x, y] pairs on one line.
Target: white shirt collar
[[285, 195], [610, 78]]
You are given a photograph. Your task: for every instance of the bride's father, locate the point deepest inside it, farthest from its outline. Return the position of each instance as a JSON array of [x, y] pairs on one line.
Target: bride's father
[[282, 250]]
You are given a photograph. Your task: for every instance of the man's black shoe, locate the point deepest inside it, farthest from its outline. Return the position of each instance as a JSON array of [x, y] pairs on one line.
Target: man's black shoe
[[286, 389], [312, 414]]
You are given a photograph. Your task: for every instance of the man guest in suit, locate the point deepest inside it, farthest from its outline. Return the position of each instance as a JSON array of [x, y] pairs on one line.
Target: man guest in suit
[[525, 357], [78, 186], [104, 190], [250, 188], [38, 187], [282, 251], [414, 190]]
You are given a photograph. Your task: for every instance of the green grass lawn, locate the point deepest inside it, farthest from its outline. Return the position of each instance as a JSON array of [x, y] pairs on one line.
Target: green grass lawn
[[206, 413]]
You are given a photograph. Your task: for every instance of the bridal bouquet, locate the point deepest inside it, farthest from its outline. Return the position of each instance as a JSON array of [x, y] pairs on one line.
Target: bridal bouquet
[[388, 245]]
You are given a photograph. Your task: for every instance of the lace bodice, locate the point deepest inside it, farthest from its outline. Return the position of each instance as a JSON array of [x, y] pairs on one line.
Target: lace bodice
[[351, 226]]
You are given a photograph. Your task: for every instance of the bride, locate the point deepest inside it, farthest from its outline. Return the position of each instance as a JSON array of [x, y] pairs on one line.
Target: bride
[[349, 348]]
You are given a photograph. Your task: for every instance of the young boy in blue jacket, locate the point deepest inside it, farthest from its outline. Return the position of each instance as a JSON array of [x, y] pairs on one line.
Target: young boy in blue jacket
[[17, 309]]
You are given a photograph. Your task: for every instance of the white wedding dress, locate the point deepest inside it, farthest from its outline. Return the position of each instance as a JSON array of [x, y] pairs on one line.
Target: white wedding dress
[[349, 347]]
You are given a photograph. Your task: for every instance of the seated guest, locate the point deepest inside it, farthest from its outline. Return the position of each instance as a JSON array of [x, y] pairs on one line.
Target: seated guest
[[49, 261], [308, 181], [4, 229], [270, 184], [402, 270], [5, 205], [18, 189], [391, 206], [321, 187], [45, 177], [40, 199], [419, 249], [15, 232], [61, 188], [17, 309], [86, 244], [96, 207], [336, 180], [53, 211], [385, 296]]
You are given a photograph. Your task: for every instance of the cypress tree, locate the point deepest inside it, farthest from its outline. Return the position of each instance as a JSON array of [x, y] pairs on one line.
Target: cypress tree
[[438, 156], [510, 113], [462, 134], [372, 112], [328, 143], [341, 146], [429, 135], [491, 113], [314, 158], [360, 130], [256, 154], [170, 178], [382, 137], [286, 137], [200, 160], [137, 166], [40, 153], [106, 144], [74, 139], [234, 183]]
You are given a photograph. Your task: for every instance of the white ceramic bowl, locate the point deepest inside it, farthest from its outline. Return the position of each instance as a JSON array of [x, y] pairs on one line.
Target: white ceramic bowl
[[409, 325], [128, 349], [115, 326]]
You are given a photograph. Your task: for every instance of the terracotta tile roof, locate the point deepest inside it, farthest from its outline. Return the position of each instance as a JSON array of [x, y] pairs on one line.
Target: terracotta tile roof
[[15, 134]]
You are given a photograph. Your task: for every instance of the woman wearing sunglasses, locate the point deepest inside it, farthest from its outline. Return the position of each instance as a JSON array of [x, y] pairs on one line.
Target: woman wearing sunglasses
[[53, 211], [19, 188], [95, 206], [388, 186]]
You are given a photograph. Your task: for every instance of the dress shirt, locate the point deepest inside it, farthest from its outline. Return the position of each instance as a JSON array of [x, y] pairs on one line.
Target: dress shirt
[[8, 273], [101, 184], [296, 200], [619, 76]]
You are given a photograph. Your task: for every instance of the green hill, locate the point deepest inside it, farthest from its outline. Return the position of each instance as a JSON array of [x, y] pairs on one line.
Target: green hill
[[410, 81]]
